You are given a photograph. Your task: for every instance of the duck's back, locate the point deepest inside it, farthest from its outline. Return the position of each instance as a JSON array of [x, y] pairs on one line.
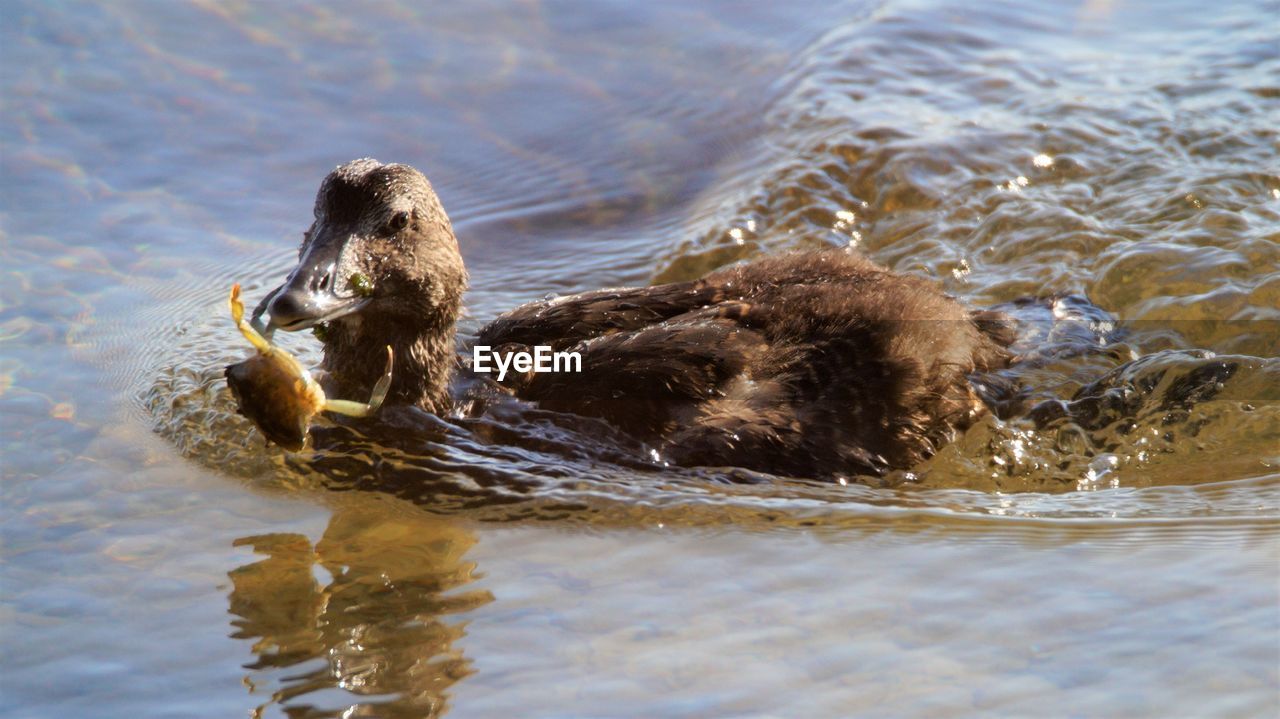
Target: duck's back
[[806, 364]]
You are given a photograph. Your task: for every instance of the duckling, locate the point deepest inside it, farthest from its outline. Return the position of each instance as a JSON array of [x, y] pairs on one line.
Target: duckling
[[814, 364]]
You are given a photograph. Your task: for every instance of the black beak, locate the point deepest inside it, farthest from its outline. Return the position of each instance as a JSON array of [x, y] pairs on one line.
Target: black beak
[[311, 293]]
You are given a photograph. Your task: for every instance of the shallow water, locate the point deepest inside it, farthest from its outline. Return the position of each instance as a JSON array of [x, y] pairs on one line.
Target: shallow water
[[1112, 551]]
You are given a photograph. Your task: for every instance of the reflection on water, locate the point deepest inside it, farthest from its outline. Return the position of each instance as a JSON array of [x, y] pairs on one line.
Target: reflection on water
[[366, 610]]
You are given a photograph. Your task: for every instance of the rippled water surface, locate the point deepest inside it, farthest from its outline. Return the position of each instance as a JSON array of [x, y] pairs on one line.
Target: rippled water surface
[[1108, 172]]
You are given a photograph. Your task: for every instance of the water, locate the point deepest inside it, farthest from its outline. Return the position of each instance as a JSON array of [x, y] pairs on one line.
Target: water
[[1115, 555]]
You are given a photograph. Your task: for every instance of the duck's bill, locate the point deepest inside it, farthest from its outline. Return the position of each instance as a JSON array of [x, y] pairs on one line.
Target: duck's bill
[[310, 295], [291, 311]]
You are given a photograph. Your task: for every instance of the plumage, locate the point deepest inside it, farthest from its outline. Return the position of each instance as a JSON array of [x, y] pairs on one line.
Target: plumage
[[811, 364]]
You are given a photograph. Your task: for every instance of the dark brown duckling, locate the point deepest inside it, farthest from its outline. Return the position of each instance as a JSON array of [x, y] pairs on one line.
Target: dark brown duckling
[[809, 364]]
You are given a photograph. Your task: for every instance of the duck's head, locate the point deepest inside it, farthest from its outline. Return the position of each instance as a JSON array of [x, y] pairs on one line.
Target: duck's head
[[378, 267], [381, 250]]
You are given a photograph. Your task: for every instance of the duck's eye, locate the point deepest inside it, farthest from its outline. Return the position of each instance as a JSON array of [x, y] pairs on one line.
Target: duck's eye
[[398, 222]]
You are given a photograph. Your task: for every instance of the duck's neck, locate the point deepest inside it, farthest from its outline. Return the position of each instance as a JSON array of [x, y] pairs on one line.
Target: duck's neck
[[355, 357]]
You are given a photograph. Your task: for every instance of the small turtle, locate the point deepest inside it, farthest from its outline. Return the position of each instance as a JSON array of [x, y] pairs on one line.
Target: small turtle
[[275, 391]]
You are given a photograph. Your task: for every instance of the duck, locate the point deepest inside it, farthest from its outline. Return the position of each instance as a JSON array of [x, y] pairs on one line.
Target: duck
[[814, 364]]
